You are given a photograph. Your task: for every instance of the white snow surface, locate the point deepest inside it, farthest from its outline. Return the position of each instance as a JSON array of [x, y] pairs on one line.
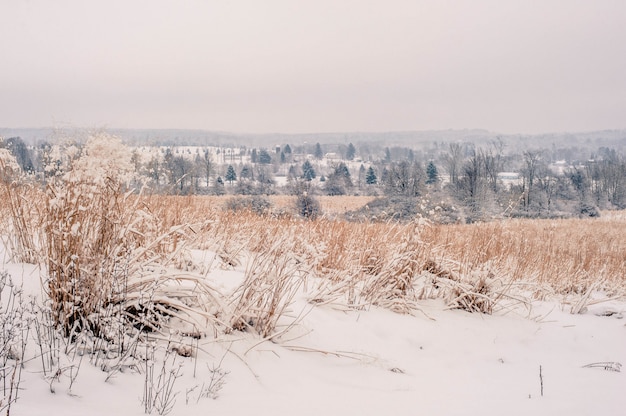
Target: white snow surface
[[334, 361]]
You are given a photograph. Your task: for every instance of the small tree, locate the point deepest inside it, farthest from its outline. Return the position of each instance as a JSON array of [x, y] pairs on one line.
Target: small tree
[[207, 165], [350, 152], [230, 176], [339, 181], [318, 152], [246, 173], [264, 157], [292, 173], [370, 176], [154, 168], [361, 175], [308, 206], [432, 176], [218, 186], [343, 172], [308, 173]]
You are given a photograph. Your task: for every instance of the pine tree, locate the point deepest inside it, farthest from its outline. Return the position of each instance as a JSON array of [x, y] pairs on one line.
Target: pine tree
[[432, 176], [264, 157], [246, 172], [370, 176], [350, 152], [230, 176], [318, 151], [308, 173]]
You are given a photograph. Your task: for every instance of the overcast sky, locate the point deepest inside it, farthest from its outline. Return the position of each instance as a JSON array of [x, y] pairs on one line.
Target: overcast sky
[[294, 66]]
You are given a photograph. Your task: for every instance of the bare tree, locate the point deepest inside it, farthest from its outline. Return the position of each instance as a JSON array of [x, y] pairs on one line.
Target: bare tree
[[453, 161], [532, 159]]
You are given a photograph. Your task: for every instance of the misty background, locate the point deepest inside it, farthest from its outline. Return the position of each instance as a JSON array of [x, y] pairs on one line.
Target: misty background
[[513, 67]]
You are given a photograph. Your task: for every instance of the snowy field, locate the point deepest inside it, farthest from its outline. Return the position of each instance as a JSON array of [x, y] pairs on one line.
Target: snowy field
[[126, 304], [329, 360]]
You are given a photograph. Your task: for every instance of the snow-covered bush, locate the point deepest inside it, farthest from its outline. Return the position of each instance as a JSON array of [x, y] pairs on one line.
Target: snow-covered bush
[[14, 332]]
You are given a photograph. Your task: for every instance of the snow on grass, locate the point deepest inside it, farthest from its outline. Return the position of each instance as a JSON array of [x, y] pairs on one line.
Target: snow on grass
[[168, 305], [370, 362]]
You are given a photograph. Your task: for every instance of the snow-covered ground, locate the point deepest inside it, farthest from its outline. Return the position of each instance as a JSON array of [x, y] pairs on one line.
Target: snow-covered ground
[[334, 361]]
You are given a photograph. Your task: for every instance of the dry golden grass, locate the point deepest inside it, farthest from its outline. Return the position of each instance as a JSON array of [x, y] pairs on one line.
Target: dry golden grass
[[330, 205], [93, 239], [566, 255]]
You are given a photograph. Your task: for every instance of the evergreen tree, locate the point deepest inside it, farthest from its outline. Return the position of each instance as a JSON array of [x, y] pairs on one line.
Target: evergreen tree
[[264, 157], [253, 156], [350, 152], [287, 149], [432, 176], [342, 171], [292, 173], [246, 172], [308, 173], [370, 176], [230, 176], [339, 181], [318, 152]]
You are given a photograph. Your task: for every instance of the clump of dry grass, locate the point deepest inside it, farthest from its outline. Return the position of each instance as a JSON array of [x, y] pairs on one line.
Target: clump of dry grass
[[476, 296], [109, 256], [392, 283], [273, 278], [18, 208]]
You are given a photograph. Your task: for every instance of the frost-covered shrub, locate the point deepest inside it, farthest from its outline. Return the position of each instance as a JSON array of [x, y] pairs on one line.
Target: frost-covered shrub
[[588, 210], [255, 203], [14, 332], [308, 206], [8, 165], [103, 157], [103, 247], [397, 208], [84, 229]]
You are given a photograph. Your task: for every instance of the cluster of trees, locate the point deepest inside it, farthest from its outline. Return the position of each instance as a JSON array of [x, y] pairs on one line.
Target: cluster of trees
[[545, 186], [544, 183]]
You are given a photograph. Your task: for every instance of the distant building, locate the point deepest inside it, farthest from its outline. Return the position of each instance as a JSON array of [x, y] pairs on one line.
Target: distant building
[[509, 179], [559, 167]]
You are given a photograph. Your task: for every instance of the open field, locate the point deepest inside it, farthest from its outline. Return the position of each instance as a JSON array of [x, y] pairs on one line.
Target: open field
[[165, 296], [330, 205], [567, 255]]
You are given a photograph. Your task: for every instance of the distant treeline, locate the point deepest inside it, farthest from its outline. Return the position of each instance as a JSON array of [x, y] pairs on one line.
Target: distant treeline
[[449, 181]]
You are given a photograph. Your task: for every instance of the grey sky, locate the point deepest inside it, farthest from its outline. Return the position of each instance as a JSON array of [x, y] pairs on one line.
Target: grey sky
[[314, 66]]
